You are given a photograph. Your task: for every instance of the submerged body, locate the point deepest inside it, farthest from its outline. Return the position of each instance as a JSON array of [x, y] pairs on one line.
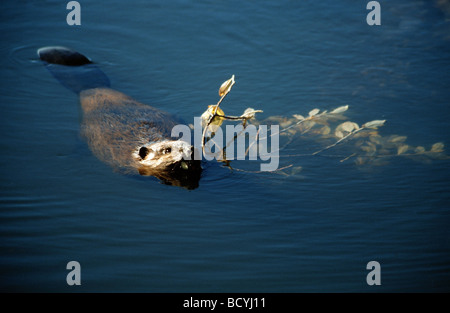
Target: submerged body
[[132, 137]]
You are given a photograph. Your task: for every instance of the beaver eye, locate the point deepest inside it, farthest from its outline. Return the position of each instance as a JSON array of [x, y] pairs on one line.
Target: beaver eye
[[143, 152]]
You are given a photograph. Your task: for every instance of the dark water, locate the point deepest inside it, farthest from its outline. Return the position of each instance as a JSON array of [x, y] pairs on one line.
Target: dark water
[[315, 231]]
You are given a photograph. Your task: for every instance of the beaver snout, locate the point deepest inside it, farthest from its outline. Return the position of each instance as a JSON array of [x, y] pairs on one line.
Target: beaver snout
[[167, 155], [171, 161]]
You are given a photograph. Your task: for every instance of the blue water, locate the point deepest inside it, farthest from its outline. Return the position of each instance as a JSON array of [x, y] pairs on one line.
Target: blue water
[[238, 231]]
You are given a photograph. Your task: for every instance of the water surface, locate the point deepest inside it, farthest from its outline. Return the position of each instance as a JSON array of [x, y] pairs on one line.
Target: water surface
[[239, 231]]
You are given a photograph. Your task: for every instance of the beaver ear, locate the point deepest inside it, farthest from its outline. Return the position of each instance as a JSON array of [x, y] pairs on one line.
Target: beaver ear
[[143, 152]]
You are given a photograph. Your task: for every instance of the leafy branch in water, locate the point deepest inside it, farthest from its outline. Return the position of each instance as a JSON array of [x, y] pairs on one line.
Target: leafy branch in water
[[369, 145], [214, 116], [351, 128]]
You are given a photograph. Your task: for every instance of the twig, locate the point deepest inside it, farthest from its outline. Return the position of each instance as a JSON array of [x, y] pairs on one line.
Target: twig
[[345, 159], [340, 140], [213, 115], [258, 172], [231, 117]]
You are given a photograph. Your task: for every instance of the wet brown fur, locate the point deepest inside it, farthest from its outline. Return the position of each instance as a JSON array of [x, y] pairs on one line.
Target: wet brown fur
[[115, 125]]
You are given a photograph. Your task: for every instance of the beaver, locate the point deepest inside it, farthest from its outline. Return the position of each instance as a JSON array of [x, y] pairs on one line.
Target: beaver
[[132, 137]]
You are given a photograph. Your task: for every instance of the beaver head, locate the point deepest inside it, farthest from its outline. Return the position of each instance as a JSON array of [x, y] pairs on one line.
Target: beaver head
[[171, 161]]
